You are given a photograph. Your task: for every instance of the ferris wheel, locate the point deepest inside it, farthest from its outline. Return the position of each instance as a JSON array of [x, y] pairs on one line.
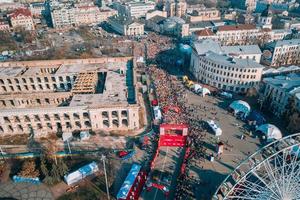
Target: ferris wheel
[[271, 173]]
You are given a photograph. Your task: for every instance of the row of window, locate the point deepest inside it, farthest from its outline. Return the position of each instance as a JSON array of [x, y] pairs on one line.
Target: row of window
[[46, 117], [49, 126], [65, 116], [30, 102], [287, 48], [58, 126], [38, 79], [231, 75], [228, 80], [231, 69], [18, 88]]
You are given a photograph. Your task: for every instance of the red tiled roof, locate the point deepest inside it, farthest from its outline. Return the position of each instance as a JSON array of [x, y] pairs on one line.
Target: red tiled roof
[[237, 27], [266, 29], [20, 11], [204, 32]]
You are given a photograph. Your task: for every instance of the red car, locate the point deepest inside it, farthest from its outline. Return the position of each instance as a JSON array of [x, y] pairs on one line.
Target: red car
[[121, 154]]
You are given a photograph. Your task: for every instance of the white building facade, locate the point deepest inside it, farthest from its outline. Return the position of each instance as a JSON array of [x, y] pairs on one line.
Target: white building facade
[[63, 98], [285, 52], [280, 89], [224, 72]]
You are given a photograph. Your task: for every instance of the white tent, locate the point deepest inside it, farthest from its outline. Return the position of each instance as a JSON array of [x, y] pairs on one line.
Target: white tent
[[226, 95], [197, 87], [240, 106], [205, 91], [270, 131]]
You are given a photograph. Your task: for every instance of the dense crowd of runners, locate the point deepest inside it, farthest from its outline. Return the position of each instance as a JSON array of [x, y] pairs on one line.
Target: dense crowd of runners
[[170, 92]]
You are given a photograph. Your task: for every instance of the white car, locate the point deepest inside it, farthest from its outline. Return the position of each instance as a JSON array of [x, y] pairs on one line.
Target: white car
[[215, 127]]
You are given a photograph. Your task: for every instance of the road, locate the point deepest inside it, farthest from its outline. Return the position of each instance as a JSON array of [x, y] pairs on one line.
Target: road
[[168, 162]]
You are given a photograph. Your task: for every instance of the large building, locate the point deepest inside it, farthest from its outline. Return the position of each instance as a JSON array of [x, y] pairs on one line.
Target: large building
[[174, 26], [70, 95], [249, 5], [21, 17], [285, 52], [251, 52], [134, 9], [205, 14], [211, 66], [37, 9], [4, 25], [280, 89], [175, 8], [265, 19], [126, 26], [64, 16], [238, 34]]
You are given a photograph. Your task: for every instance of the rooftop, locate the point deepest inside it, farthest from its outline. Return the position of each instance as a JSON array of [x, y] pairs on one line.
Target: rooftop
[[121, 20], [20, 12], [11, 71], [241, 49], [290, 82], [157, 19], [115, 93], [134, 3], [204, 32], [288, 42], [205, 24], [61, 69], [96, 85], [176, 19], [234, 62], [204, 46], [237, 27], [281, 70]]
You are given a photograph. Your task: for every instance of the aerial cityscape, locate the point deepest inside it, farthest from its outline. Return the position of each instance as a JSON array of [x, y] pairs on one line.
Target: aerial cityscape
[[149, 99]]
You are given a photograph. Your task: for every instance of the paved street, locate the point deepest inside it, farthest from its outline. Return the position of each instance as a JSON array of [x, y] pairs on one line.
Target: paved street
[[24, 191], [211, 174], [168, 162]]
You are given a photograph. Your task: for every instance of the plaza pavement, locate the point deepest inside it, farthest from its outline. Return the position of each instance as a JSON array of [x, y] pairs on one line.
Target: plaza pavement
[[24, 191]]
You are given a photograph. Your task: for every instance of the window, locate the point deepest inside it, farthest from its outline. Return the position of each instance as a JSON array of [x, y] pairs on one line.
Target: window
[[114, 114]]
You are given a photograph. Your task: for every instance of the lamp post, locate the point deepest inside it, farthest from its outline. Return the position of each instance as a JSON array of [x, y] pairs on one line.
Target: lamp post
[[2, 153], [103, 158]]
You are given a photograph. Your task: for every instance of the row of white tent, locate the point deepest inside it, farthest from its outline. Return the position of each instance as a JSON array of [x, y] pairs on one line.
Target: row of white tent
[[270, 131], [200, 90]]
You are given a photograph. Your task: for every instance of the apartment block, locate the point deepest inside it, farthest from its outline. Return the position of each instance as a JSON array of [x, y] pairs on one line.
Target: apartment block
[[71, 96]]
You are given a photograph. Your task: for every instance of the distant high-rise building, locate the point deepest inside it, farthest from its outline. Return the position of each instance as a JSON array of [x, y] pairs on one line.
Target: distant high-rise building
[[75, 15], [21, 17], [175, 8], [248, 5], [134, 9], [285, 52], [265, 19]]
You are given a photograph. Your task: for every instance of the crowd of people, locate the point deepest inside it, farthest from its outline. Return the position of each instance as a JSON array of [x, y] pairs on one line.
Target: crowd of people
[[171, 93]]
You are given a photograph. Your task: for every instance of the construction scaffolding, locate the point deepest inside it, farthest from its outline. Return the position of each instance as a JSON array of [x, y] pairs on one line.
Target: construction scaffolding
[[85, 83]]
